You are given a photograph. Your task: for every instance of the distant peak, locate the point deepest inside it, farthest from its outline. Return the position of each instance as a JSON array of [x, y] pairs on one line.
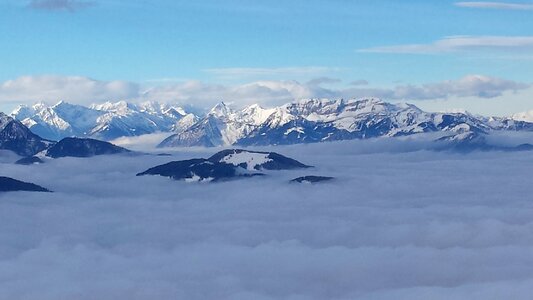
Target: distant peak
[[62, 103], [122, 106], [39, 105], [220, 104], [221, 109], [456, 111], [19, 108], [371, 100], [253, 107], [405, 105]]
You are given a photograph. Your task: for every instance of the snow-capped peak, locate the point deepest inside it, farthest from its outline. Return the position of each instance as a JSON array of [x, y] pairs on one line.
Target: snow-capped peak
[[220, 110], [255, 114], [120, 107], [39, 106]]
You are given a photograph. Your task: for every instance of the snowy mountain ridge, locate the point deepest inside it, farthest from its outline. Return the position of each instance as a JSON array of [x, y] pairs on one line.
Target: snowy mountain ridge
[[103, 121], [317, 120], [303, 121]]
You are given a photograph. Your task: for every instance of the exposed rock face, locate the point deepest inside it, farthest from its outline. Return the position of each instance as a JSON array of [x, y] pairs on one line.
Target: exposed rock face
[[18, 138]]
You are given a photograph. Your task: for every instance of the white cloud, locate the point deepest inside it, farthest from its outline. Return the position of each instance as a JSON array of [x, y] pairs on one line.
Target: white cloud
[[471, 85], [507, 104], [70, 88], [286, 72], [279, 92], [459, 43], [495, 5], [142, 142], [205, 95], [201, 95]]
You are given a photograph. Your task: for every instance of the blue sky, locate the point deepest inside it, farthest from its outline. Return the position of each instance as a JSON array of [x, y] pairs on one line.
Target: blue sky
[[224, 46]]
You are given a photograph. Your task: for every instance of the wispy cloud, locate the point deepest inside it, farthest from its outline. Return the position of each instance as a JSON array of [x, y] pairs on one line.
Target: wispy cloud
[[323, 80], [495, 5], [459, 43], [61, 5], [285, 71], [359, 82]]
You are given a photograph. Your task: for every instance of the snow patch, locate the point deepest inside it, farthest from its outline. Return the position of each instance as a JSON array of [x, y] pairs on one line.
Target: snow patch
[[253, 160]]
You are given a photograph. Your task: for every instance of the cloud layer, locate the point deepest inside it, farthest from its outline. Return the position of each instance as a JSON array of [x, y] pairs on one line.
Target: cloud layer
[[278, 92], [199, 94], [70, 88], [415, 225], [472, 85]]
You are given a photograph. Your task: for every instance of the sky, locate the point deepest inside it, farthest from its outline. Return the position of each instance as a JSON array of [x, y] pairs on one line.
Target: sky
[[439, 55]]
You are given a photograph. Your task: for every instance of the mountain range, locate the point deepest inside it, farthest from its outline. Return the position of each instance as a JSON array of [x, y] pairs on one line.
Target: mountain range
[[315, 120], [105, 121], [305, 121]]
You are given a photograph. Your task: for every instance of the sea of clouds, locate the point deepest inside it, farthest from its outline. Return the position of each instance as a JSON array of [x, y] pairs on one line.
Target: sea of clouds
[[396, 224]]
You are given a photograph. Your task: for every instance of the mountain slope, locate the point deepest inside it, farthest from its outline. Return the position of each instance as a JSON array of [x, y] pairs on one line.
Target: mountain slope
[[83, 147], [12, 185], [18, 138]]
